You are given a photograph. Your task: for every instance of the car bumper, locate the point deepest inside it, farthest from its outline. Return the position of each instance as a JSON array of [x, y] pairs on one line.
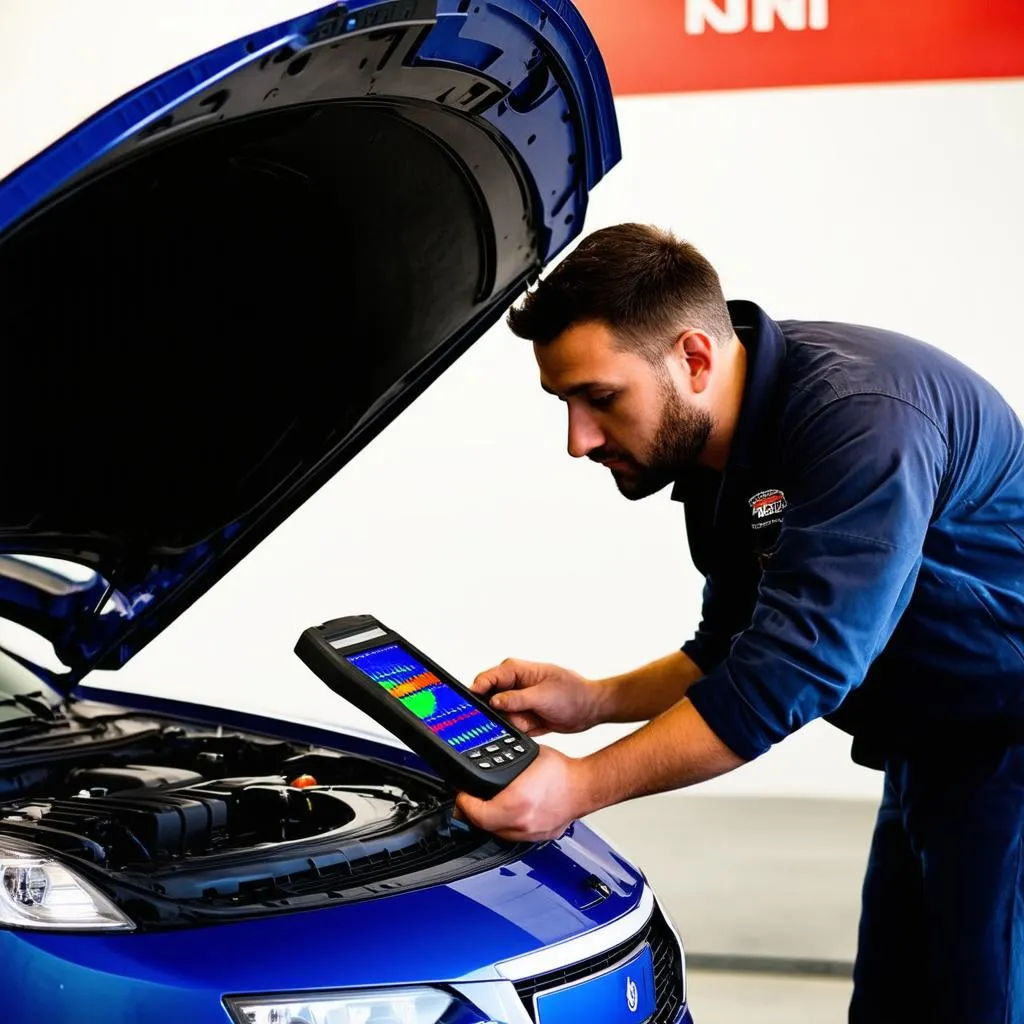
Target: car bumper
[[501, 938]]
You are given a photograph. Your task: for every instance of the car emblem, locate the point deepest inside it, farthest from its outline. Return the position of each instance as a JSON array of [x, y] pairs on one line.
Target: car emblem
[[631, 995], [767, 507]]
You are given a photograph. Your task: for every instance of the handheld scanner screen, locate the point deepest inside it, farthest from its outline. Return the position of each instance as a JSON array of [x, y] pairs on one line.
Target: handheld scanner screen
[[439, 706]]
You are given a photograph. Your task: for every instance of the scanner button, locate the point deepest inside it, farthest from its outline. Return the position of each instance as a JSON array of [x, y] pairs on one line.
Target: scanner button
[[509, 739], [475, 754], [485, 764], [492, 748], [498, 759], [519, 749]]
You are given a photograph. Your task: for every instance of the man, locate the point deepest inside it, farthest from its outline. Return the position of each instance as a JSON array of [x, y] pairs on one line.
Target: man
[[855, 502]]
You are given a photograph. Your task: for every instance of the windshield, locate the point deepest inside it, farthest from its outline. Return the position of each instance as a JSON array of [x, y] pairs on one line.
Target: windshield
[[22, 694], [31, 582]]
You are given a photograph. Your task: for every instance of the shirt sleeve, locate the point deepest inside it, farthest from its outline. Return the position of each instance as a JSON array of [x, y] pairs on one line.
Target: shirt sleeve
[[726, 608], [864, 475]]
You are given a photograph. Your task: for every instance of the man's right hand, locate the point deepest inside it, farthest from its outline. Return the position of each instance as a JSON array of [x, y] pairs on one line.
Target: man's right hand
[[539, 699]]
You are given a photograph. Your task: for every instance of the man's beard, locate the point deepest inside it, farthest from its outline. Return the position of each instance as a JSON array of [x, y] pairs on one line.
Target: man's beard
[[678, 442]]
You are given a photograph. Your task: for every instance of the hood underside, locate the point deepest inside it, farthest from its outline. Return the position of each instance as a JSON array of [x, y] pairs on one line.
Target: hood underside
[[204, 319]]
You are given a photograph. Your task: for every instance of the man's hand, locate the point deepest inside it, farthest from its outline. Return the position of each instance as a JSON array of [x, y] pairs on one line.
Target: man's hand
[[539, 804], [674, 750], [539, 699]]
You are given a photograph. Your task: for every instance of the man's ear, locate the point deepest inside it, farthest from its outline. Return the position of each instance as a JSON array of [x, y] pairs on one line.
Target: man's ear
[[694, 352]]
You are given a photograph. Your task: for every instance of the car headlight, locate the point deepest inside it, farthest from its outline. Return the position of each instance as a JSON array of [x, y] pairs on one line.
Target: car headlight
[[420, 1005], [37, 892]]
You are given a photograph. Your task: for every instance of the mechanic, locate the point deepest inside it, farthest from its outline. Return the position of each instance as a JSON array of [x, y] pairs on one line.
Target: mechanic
[[854, 500]]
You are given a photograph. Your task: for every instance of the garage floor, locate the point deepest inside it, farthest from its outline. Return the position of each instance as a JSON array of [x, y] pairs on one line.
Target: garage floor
[[765, 892], [729, 998]]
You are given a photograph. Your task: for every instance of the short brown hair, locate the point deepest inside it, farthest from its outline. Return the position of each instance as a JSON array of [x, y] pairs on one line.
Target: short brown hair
[[640, 281]]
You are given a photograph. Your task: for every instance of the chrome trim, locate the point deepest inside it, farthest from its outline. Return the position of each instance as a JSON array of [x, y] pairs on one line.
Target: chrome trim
[[582, 947]]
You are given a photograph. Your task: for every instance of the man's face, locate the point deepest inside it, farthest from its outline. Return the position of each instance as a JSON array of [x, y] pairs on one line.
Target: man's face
[[625, 413]]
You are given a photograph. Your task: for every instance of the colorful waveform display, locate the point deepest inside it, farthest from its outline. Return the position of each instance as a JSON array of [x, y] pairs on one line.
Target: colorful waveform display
[[440, 707]]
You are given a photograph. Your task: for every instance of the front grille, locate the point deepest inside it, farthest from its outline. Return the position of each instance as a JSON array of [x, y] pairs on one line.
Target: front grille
[[668, 970]]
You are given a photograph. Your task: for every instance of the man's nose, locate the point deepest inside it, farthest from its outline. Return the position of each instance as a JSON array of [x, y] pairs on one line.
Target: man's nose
[[584, 434]]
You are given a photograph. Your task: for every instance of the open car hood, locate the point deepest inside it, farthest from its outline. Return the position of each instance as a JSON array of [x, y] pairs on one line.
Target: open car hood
[[218, 289]]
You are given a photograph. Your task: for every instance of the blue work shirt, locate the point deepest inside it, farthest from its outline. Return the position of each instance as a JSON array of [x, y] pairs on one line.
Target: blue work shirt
[[863, 551]]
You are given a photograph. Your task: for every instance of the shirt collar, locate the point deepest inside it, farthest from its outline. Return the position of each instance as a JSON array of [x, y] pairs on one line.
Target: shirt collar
[[766, 353]]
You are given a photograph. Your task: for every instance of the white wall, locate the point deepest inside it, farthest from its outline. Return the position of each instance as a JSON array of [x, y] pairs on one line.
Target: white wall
[[466, 526], [71, 59]]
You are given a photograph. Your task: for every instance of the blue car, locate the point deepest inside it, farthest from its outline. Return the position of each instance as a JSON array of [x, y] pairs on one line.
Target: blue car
[[214, 292]]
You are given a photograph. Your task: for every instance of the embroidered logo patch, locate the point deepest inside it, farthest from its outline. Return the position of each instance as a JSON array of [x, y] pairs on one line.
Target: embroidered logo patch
[[767, 507]]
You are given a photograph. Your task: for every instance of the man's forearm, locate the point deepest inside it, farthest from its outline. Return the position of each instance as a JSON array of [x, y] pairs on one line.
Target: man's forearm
[[646, 692], [675, 750]]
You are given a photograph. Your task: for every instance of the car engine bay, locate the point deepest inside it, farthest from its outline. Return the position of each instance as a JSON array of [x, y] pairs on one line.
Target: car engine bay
[[187, 822], [124, 816]]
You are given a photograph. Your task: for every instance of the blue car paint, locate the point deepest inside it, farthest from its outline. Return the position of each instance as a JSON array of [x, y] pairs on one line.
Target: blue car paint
[[435, 934], [499, 38]]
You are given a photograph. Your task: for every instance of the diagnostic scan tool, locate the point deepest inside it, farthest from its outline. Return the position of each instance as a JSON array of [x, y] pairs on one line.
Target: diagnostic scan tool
[[456, 732]]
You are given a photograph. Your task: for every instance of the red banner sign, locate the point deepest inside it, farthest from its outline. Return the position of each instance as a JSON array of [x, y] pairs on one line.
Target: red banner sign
[[655, 46]]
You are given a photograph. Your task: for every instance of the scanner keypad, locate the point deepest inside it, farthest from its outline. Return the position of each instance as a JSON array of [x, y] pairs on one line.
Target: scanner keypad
[[492, 755]]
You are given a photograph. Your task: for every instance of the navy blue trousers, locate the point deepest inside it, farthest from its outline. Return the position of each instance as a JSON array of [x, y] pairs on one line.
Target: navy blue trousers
[[942, 922]]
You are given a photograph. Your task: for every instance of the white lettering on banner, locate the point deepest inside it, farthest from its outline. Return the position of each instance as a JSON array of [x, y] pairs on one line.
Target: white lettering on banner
[[794, 15], [733, 18], [817, 14]]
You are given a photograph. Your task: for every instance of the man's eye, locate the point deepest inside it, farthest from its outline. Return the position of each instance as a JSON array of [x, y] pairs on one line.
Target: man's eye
[[602, 401]]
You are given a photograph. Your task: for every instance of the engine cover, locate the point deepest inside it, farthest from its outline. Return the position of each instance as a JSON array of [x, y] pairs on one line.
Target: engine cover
[[146, 825], [100, 781]]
